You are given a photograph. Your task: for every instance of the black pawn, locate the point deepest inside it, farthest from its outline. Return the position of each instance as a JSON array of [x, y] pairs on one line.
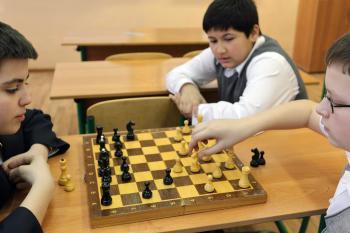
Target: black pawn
[[106, 199], [126, 177], [130, 135], [167, 180], [254, 163], [118, 153], [147, 193], [262, 159], [116, 136], [99, 131], [124, 166], [106, 178]]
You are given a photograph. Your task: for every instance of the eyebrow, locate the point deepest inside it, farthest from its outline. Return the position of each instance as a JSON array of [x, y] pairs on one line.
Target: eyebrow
[[16, 80]]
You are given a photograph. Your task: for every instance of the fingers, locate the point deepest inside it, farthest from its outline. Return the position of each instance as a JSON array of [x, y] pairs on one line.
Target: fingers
[[211, 150], [16, 174], [16, 161], [23, 185]]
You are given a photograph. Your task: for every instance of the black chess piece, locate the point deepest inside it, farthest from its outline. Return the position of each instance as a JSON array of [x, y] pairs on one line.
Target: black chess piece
[[130, 135], [167, 180], [126, 176], [254, 163], [116, 136], [124, 165], [118, 153], [262, 160], [99, 131], [256, 153], [106, 178], [106, 199], [147, 192], [102, 142]]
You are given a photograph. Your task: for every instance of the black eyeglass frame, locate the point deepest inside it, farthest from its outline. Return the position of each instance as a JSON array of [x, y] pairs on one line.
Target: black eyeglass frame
[[335, 105]]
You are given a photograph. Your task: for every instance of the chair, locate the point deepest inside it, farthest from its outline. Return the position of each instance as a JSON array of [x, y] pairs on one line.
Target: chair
[[192, 53], [146, 112], [138, 56]]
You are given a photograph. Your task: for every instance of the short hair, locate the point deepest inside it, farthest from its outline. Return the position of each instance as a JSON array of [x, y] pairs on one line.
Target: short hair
[[241, 15], [339, 53], [14, 45]]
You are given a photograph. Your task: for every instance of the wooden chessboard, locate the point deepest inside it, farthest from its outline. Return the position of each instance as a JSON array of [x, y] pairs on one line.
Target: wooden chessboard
[[149, 155]]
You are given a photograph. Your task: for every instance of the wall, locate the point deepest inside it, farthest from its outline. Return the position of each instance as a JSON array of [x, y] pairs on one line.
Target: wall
[[45, 23]]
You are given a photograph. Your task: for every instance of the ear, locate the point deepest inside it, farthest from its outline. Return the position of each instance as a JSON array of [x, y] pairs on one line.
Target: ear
[[255, 33]]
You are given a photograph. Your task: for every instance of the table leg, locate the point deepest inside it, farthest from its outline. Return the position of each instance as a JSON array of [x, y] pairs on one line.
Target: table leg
[[81, 112], [83, 52]]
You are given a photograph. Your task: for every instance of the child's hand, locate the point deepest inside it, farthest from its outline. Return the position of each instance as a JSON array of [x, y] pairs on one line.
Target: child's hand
[[188, 99]]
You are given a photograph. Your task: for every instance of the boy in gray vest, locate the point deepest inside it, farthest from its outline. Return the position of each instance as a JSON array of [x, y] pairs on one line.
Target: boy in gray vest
[[253, 72], [331, 117]]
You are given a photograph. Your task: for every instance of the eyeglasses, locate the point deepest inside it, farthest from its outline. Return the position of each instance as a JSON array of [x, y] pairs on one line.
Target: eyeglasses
[[335, 105]]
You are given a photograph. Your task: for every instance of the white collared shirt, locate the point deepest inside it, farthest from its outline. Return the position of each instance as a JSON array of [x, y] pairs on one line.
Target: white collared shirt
[[271, 81]]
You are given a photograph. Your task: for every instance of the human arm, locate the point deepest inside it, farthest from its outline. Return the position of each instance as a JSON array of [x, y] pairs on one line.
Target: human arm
[[296, 114]]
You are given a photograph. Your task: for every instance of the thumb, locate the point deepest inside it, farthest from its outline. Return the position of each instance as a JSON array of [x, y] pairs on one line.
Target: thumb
[[211, 150], [19, 160]]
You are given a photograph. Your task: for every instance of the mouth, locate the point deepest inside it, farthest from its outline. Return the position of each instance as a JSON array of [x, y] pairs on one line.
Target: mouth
[[20, 117], [224, 59]]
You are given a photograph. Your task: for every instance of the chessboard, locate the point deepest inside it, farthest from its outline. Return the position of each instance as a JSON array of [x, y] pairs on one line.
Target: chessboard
[[149, 155]]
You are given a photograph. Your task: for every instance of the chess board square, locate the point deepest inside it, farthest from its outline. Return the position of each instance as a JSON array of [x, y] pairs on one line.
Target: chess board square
[[170, 163], [187, 138], [220, 158], [119, 178], [172, 155], [137, 159], [127, 188], [188, 169], [172, 140], [141, 185], [159, 135], [200, 189], [168, 194], [158, 174], [158, 165], [114, 190], [150, 150], [234, 174], [143, 176], [118, 172], [182, 181], [116, 202], [199, 178], [140, 167], [155, 198], [162, 141], [131, 199], [165, 148], [153, 157], [160, 185], [186, 161], [177, 146], [132, 152], [208, 167], [144, 136], [145, 143], [132, 144], [223, 186], [187, 191], [170, 133]]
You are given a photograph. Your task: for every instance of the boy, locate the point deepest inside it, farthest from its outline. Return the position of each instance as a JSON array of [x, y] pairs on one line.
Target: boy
[[26, 137], [330, 117], [253, 71]]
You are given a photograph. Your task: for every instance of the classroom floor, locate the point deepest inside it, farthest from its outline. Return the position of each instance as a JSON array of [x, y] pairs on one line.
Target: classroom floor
[[64, 118]]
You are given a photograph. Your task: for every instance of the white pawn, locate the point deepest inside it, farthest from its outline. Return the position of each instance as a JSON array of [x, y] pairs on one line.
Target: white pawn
[[244, 181], [177, 167], [199, 118], [184, 148], [229, 164], [209, 187], [206, 158], [69, 187], [178, 137], [217, 174], [195, 166], [186, 129]]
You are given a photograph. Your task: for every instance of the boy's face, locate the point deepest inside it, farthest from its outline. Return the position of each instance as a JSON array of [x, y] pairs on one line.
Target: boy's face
[[231, 47], [337, 124], [13, 94]]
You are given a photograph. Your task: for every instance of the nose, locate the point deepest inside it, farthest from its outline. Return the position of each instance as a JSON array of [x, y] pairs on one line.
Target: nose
[[25, 98], [324, 108], [220, 48]]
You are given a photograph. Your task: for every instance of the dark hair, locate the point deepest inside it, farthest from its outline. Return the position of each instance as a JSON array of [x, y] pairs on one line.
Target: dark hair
[[339, 53], [14, 45], [241, 15]]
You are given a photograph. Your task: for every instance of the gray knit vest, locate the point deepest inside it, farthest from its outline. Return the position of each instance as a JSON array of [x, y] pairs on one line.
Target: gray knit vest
[[231, 88]]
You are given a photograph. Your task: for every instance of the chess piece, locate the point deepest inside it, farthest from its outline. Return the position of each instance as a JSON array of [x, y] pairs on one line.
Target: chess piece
[[167, 180], [199, 118], [186, 129], [201, 145], [178, 166], [209, 187], [116, 136], [102, 142], [217, 173], [124, 165], [178, 137], [195, 166], [262, 159], [118, 152], [229, 164], [126, 176], [99, 131], [244, 181], [63, 177], [255, 158], [103, 159], [184, 148], [69, 187], [206, 158], [130, 135], [106, 199], [147, 193]]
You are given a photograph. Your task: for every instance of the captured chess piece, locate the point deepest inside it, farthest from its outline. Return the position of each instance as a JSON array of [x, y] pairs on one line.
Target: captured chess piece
[[244, 181], [261, 158], [147, 192], [69, 187], [255, 158], [99, 131], [178, 137], [63, 177], [195, 166], [183, 148], [168, 180], [106, 199], [217, 173], [229, 164], [209, 187], [130, 135], [186, 129], [178, 166]]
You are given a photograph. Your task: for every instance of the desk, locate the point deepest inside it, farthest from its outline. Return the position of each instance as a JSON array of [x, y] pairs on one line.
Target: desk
[[300, 176], [100, 43]]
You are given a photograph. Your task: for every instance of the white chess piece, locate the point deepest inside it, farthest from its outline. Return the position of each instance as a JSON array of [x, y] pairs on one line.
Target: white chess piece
[[244, 181]]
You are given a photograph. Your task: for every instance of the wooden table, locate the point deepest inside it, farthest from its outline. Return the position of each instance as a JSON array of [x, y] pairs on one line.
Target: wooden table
[[300, 176], [100, 43]]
